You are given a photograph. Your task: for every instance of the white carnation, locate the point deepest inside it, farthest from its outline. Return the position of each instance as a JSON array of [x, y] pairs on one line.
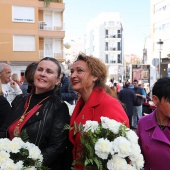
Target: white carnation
[[103, 148], [91, 125], [139, 162], [122, 146], [129, 167], [132, 137], [117, 163], [35, 153], [135, 153], [9, 165], [110, 124], [15, 145], [4, 156]]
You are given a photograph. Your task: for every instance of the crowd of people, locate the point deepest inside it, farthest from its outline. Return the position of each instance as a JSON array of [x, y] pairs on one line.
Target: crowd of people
[[40, 106]]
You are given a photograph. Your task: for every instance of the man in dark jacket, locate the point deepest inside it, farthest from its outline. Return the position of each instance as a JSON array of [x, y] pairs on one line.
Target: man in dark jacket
[[137, 108], [67, 93], [127, 97]]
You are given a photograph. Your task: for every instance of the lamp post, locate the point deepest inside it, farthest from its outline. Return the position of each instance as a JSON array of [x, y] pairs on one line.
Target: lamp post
[[160, 43]]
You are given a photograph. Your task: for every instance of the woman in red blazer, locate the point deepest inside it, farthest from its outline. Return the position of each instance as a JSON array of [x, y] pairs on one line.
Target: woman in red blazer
[[88, 77]]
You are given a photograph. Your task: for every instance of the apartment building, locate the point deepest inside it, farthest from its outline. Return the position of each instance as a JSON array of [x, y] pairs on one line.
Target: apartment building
[[160, 30], [29, 31], [104, 41]]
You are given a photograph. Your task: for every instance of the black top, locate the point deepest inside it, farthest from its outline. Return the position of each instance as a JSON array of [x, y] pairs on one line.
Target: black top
[[5, 109]]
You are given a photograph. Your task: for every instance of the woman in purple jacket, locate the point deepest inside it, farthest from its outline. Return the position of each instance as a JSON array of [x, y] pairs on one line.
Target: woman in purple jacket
[[154, 129]]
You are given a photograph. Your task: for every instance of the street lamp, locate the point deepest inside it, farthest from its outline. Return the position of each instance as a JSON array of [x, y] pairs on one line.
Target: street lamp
[[160, 43]]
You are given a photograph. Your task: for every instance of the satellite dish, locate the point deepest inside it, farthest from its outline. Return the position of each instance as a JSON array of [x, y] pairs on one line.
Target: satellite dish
[[67, 45]]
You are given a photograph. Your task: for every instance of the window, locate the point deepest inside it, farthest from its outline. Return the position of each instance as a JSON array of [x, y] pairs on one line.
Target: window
[[23, 43], [23, 14]]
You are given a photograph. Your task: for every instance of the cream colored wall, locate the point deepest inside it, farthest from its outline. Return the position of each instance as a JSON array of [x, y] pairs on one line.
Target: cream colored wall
[[9, 28]]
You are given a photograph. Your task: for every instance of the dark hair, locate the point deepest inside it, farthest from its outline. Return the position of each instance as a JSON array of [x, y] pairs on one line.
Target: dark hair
[[112, 80], [135, 81], [127, 84], [55, 61], [29, 73], [161, 88]]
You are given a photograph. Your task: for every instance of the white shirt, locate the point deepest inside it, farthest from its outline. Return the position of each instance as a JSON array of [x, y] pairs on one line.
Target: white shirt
[[9, 92]]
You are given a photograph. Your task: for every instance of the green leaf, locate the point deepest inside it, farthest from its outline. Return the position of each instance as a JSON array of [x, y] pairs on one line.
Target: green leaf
[[24, 135]]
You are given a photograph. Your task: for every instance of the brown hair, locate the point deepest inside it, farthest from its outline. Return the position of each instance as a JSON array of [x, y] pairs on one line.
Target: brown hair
[[97, 69], [29, 73]]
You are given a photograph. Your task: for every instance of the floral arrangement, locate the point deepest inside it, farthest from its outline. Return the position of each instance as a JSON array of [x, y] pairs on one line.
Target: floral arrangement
[[17, 155], [108, 145]]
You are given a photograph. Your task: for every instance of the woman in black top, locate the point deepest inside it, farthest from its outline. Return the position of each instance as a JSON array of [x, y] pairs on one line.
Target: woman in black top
[[42, 114]]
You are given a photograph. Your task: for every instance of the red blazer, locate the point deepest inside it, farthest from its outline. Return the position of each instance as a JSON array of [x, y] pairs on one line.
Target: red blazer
[[99, 104]]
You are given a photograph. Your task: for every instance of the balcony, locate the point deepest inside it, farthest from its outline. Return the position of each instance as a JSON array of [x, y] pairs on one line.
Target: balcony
[[110, 49], [113, 38], [54, 5], [52, 31], [43, 26], [49, 53]]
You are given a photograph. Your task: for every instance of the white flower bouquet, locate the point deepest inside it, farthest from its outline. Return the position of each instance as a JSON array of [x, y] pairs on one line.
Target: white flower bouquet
[[19, 155], [108, 145]]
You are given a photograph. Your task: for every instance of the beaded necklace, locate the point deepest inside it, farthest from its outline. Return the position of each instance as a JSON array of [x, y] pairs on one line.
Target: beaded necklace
[[16, 129]]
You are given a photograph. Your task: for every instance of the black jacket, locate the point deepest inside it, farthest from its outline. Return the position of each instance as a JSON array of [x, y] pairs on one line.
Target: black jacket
[[5, 109], [45, 128], [128, 97]]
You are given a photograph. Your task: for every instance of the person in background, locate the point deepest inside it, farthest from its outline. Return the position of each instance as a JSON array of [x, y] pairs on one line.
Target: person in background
[[42, 115], [88, 78], [115, 86], [24, 86], [5, 108], [16, 78], [28, 84], [127, 96], [110, 83], [119, 86], [137, 108], [131, 85], [67, 93], [112, 90], [154, 129], [10, 88]]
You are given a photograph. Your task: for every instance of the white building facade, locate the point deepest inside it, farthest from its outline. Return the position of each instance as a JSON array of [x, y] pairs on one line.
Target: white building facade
[[160, 30], [104, 40]]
